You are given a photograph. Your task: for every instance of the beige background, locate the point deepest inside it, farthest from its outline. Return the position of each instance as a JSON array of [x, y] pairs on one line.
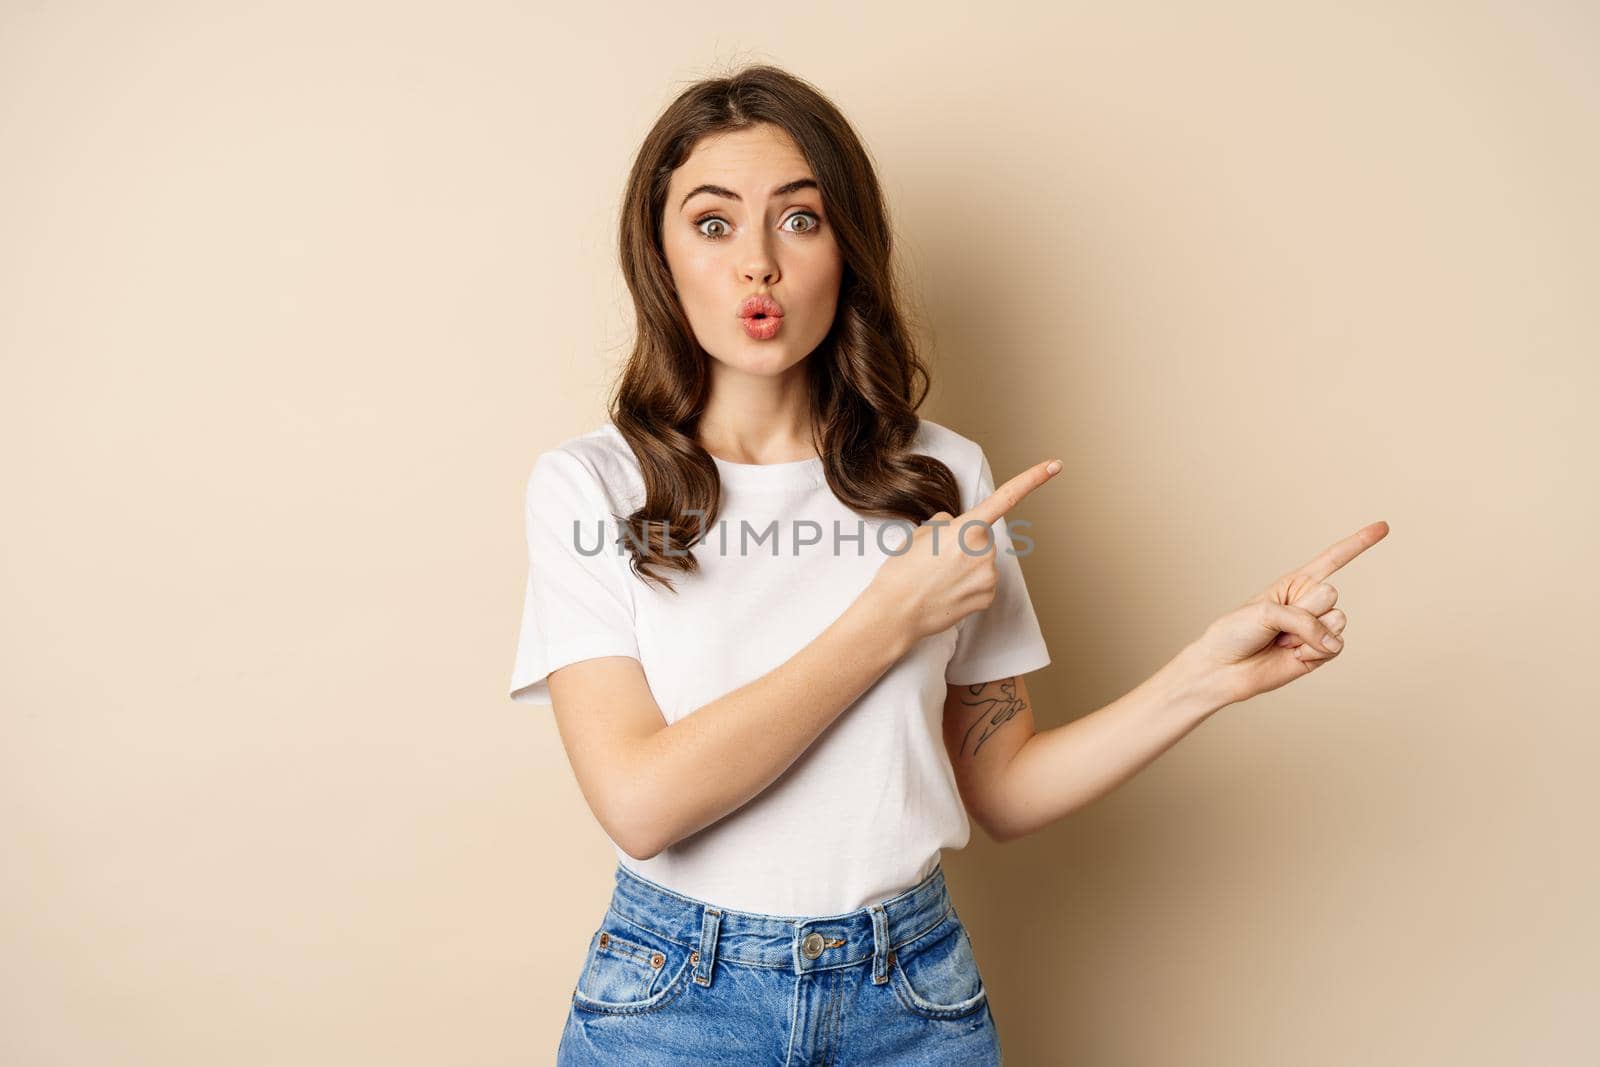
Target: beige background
[[296, 292]]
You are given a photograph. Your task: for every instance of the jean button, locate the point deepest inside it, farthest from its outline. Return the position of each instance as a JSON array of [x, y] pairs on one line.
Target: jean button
[[811, 947]]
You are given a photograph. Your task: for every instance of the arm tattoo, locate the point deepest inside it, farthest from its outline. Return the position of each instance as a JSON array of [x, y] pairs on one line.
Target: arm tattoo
[[992, 711]]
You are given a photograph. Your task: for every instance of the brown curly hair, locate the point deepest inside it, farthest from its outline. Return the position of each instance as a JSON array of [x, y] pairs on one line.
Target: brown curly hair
[[866, 378]]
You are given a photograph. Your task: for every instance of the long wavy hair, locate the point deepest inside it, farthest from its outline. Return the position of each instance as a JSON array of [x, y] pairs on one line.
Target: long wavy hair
[[866, 379]]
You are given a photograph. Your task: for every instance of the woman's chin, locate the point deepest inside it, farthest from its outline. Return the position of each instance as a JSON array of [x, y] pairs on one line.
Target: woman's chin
[[764, 358]]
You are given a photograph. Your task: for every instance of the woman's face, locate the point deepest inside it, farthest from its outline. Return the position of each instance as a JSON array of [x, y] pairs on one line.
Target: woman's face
[[744, 217]]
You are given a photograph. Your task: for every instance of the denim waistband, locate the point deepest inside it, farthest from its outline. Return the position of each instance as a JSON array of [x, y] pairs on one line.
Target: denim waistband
[[795, 943]]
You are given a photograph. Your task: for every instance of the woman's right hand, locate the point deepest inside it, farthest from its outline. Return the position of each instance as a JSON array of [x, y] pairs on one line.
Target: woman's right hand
[[935, 582]]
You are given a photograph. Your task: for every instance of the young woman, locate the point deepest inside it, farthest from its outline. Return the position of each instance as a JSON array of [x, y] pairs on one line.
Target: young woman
[[782, 624]]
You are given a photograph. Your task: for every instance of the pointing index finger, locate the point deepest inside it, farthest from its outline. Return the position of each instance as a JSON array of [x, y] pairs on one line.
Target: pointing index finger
[[1007, 496], [1343, 551]]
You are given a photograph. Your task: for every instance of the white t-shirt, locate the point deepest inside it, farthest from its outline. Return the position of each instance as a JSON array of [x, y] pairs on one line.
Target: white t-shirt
[[863, 813]]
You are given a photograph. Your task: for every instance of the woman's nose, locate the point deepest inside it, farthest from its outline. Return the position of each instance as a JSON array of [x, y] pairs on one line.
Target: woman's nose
[[760, 269], [760, 265]]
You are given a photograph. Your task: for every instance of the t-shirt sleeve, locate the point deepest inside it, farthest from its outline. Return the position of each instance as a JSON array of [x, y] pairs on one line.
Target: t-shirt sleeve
[[578, 603], [1003, 639]]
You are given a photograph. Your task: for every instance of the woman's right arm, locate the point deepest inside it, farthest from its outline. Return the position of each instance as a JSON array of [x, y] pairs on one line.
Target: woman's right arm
[[651, 784]]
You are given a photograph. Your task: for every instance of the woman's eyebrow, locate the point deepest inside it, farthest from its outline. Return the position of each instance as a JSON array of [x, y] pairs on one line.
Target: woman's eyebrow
[[782, 190]]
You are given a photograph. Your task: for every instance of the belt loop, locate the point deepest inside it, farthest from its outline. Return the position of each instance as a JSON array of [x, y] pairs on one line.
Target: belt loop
[[708, 945], [880, 944]]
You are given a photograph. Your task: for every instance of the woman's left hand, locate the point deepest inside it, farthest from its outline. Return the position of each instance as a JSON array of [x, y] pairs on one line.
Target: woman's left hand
[[1277, 635]]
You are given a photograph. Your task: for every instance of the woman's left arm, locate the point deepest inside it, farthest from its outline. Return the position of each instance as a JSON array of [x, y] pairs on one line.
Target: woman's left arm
[[1015, 780]]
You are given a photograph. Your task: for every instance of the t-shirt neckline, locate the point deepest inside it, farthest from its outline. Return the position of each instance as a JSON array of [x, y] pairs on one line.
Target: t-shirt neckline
[[795, 473], [798, 473]]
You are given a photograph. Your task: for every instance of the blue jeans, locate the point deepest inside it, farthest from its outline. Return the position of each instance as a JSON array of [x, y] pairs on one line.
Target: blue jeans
[[670, 980]]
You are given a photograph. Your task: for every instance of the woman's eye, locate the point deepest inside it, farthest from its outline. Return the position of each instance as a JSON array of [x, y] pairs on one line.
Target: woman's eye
[[811, 225], [708, 220]]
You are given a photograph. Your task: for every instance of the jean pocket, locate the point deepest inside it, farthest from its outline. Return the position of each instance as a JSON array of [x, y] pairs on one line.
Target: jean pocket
[[937, 976], [630, 969]]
